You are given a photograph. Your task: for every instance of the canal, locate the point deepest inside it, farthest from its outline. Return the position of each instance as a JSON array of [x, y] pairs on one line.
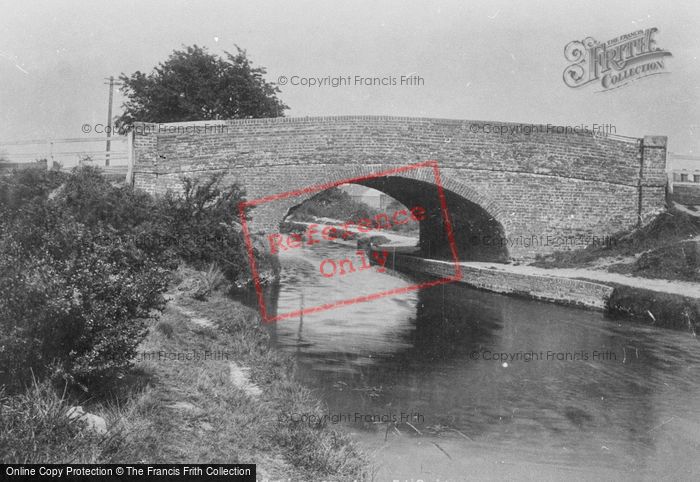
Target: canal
[[451, 383]]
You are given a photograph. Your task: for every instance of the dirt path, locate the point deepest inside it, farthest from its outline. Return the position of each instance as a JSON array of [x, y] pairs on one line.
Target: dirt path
[[217, 391], [205, 407]]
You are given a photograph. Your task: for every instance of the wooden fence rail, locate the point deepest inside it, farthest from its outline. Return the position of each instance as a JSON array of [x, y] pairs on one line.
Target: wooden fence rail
[[67, 153]]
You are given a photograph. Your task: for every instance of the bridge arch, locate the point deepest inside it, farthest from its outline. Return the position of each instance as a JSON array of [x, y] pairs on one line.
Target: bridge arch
[[478, 224], [537, 183]]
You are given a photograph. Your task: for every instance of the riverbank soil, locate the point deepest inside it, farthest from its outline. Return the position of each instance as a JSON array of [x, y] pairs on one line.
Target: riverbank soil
[[655, 269], [666, 248]]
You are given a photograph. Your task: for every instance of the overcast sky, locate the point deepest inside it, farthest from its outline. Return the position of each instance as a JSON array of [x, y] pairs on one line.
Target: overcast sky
[[487, 60]]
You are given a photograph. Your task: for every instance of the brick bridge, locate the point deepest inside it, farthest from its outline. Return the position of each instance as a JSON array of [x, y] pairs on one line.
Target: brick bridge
[[509, 196]]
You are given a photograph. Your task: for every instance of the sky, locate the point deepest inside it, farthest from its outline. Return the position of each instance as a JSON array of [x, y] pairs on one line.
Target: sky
[[491, 60]]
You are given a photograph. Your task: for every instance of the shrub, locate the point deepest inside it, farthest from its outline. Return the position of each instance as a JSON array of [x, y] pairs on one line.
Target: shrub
[[84, 261], [93, 200], [26, 186], [201, 226], [77, 304]]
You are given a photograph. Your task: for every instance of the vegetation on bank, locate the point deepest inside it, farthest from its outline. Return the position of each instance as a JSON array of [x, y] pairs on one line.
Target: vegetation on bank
[[226, 423], [171, 409], [337, 204], [85, 269], [656, 308], [666, 248], [83, 262]]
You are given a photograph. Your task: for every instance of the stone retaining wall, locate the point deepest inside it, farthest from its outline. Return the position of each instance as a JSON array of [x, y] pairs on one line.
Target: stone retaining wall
[[548, 288]]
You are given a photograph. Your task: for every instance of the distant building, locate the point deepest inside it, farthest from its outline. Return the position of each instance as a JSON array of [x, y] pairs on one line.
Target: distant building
[[684, 178], [367, 195]]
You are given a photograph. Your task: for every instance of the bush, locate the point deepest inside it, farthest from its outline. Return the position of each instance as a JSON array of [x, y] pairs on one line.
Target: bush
[[93, 200], [25, 186], [83, 262], [201, 227], [74, 302]]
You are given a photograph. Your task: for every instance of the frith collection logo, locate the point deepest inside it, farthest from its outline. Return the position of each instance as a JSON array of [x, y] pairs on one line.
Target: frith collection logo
[[614, 63]]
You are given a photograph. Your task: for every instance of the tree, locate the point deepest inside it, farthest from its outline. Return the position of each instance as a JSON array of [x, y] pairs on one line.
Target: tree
[[193, 84]]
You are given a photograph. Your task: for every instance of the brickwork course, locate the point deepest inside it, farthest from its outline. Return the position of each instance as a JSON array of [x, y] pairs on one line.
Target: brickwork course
[[501, 188]]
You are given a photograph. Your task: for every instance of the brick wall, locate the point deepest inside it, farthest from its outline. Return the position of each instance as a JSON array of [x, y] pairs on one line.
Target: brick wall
[[539, 184]]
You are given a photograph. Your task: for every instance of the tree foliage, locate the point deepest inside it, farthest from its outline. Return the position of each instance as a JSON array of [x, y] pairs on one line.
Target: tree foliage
[[193, 84], [83, 262]]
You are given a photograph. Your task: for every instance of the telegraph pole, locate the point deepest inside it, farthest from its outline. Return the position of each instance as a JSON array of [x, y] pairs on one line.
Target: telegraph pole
[[111, 84]]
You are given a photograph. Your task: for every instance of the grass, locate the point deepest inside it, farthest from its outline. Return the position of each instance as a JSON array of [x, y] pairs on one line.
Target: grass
[[671, 311], [678, 261], [34, 426], [173, 410], [213, 277]]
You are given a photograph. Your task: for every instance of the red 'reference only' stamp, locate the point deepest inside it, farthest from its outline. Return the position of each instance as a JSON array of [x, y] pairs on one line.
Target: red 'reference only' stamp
[[278, 242]]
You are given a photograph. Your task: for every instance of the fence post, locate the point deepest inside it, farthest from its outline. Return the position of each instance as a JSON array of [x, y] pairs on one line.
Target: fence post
[[130, 158], [49, 161]]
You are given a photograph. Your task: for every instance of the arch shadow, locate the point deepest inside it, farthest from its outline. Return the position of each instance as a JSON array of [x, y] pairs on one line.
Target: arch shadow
[[475, 219]]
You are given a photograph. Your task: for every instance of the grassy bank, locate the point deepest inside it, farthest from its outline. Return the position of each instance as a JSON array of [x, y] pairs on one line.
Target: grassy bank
[[173, 410], [667, 248], [656, 308]]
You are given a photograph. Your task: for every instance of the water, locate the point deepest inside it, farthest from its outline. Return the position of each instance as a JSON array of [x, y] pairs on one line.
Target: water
[[451, 383]]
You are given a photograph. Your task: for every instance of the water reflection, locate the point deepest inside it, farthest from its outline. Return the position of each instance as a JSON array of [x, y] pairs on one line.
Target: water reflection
[[488, 371]]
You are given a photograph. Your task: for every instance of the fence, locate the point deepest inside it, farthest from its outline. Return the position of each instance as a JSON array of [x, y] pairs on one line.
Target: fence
[[68, 153]]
